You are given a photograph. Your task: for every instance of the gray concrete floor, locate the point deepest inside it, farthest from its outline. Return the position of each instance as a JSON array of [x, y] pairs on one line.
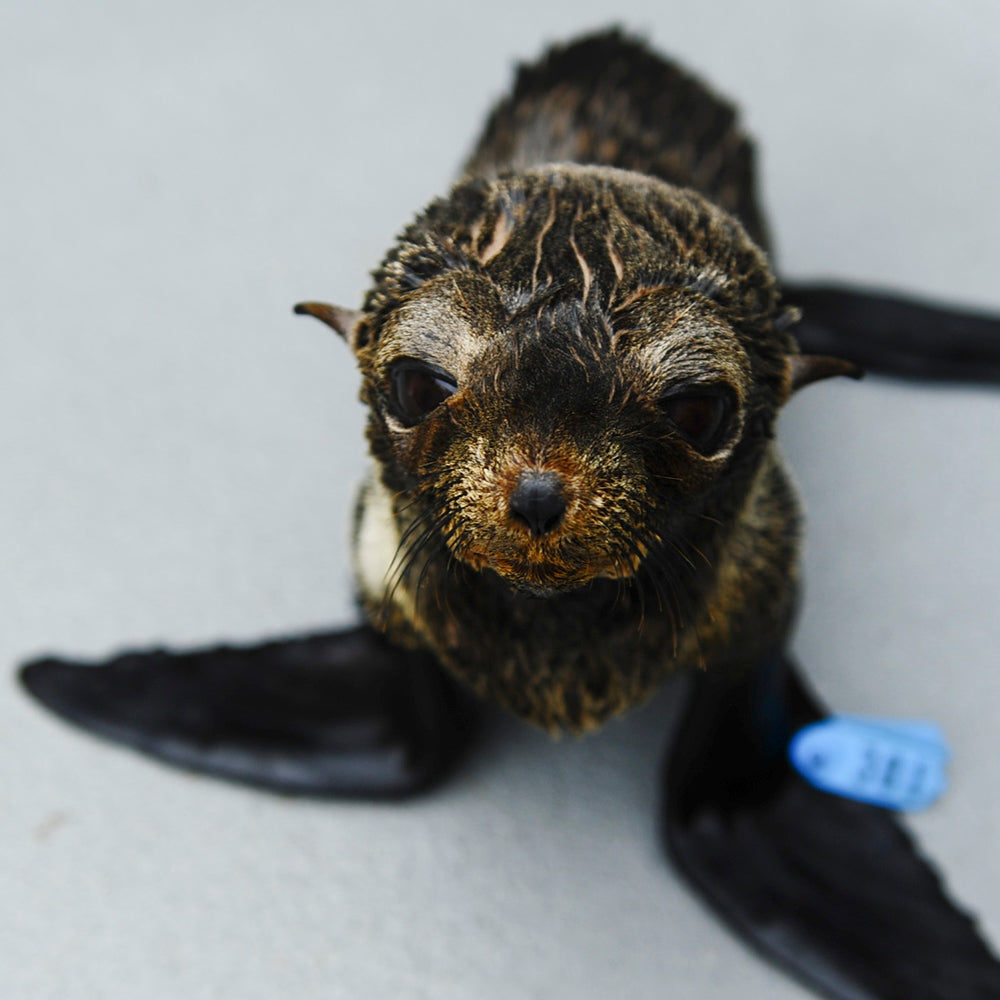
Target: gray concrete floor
[[179, 453]]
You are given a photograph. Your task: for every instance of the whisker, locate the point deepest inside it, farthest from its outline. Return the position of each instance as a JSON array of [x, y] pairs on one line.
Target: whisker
[[680, 552], [405, 556]]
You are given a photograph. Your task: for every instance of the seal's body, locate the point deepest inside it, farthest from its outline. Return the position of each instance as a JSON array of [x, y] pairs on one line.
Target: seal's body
[[593, 342]]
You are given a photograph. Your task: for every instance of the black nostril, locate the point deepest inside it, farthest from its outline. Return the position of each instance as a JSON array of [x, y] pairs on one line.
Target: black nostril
[[537, 500]]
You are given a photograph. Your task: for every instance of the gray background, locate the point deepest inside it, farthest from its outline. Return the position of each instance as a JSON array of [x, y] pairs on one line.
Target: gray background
[[179, 454]]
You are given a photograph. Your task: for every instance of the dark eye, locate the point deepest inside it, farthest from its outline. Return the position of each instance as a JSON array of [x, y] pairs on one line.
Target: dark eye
[[702, 417], [416, 389]]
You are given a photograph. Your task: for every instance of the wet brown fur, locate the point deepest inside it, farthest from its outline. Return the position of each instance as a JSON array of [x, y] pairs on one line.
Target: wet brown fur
[[565, 299]]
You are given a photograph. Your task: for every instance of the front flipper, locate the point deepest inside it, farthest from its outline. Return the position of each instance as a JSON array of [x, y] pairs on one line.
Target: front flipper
[[895, 335], [833, 890], [339, 713]]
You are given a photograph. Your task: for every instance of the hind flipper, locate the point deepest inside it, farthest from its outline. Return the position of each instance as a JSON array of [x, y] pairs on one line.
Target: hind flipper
[[895, 335], [831, 889], [339, 713]]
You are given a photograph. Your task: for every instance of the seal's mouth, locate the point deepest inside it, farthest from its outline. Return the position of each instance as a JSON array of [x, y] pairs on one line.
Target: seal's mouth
[[540, 592], [541, 583], [541, 577]]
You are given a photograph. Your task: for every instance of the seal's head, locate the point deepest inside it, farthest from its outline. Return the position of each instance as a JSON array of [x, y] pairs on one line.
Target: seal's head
[[566, 367]]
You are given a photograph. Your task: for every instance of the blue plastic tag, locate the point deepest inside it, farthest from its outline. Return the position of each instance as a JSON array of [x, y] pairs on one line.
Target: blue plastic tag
[[896, 764]]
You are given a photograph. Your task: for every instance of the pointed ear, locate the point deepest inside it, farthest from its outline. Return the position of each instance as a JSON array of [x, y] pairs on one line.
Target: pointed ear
[[804, 369], [344, 321]]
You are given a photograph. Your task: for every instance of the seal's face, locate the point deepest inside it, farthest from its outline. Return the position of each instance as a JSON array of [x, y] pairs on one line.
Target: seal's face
[[555, 446], [566, 371]]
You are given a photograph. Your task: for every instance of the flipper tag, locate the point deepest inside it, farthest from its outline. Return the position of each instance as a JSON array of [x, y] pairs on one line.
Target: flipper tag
[[895, 764]]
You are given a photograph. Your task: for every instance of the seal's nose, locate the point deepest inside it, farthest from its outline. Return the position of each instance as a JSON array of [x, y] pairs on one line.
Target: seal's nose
[[538, 502]]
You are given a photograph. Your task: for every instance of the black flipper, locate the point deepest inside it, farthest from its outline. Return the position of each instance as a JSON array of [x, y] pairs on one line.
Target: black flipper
[[895, 335], [833, 890], [338, 713]]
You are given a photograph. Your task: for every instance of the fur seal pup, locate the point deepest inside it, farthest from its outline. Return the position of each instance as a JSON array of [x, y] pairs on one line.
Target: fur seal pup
[[573, 364]]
